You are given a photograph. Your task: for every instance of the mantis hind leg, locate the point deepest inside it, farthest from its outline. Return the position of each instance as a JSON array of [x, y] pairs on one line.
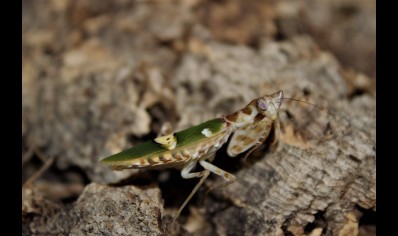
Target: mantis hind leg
[[214, 169], [228, 177], [185, 173]]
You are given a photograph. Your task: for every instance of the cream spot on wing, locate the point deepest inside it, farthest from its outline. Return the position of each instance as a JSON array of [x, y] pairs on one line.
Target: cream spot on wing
[[167, 141], [206, 132]]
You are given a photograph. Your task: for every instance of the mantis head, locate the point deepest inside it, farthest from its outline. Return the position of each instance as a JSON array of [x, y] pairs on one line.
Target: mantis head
[[269, 105]]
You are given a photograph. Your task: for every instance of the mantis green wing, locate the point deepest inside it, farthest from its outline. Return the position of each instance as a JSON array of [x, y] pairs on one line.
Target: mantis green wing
[[171, 150]]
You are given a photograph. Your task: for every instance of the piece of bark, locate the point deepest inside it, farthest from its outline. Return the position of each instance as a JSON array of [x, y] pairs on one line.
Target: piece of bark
[[124, 210], [40, 215], [101, 210], [324, 165], [293, 185]]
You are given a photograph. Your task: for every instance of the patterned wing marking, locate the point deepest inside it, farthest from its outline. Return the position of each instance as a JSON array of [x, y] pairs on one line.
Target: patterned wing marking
[[168, 141]]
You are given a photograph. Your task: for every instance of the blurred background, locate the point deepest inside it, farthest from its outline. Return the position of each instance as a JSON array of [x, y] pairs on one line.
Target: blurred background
[[99, 77]]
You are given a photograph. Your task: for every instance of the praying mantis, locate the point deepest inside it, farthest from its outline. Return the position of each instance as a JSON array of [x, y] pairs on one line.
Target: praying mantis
[[249, 128]]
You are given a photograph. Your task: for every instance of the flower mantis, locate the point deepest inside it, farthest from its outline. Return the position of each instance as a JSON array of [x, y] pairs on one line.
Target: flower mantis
[[249, 128]]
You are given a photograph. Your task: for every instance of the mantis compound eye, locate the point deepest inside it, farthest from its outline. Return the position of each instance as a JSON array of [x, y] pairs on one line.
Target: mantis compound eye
[[262, 105]]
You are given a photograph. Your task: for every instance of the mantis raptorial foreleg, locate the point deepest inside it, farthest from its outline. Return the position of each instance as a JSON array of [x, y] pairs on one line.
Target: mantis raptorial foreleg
[[262, 139]]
